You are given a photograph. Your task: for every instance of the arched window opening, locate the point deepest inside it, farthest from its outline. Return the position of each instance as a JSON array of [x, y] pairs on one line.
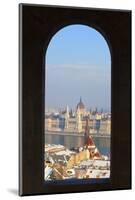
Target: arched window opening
[[77, 105]]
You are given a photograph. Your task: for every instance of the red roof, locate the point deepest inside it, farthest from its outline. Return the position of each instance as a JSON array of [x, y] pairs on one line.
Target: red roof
[[89, 141]]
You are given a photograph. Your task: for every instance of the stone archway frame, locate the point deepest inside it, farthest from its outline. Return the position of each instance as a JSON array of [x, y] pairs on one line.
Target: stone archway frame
[[38, 24]]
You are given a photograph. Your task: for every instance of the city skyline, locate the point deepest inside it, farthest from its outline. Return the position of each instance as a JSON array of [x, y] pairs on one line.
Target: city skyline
[[78, 63], [73, 108]]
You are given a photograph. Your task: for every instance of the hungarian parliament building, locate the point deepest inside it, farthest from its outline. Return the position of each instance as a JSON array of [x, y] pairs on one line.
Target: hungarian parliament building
[[75, 122]]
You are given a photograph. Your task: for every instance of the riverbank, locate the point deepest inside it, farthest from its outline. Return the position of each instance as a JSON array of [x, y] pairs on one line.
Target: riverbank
[[76, 134]]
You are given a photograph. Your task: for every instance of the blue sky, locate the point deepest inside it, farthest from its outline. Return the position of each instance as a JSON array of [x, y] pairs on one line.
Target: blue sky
[[78, 63]]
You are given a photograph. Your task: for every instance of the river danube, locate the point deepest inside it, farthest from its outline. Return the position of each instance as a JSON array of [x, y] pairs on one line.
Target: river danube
[[72, 141]]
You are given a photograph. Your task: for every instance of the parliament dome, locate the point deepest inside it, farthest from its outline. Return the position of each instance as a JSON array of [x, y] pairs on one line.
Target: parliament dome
[[80, 105]]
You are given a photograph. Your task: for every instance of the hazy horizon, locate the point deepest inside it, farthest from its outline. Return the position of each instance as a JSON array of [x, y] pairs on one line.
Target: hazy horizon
[[78, 63]]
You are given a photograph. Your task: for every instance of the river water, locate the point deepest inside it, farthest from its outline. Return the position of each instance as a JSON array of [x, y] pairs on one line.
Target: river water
[[70, 141]]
